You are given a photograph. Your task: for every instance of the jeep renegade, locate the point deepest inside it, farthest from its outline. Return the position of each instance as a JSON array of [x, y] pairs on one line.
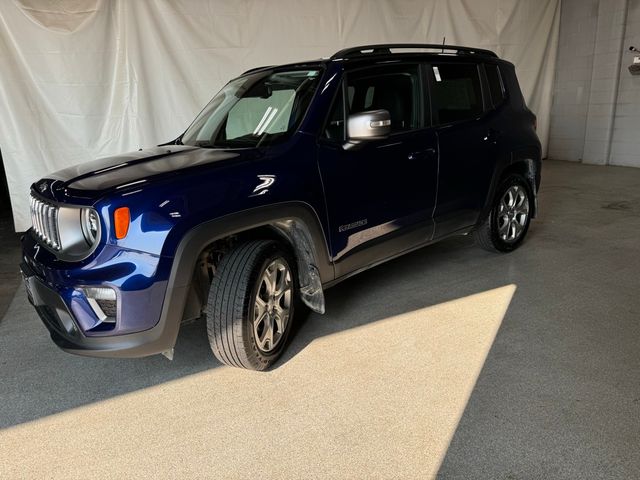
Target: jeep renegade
[[292, 178]]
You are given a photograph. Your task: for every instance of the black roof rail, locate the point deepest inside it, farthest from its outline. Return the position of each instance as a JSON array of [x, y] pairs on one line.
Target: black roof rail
[[256, 69], [385, 49]]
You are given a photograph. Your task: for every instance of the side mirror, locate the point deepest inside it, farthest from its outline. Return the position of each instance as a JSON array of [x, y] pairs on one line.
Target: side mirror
[[371, 125]]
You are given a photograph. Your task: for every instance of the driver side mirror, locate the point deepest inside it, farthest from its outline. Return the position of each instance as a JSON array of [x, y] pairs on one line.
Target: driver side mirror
[[370, 125]]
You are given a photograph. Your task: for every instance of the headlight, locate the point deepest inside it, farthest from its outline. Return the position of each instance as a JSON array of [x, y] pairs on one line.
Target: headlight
[[79, 230], [72, 232], [90, 225]]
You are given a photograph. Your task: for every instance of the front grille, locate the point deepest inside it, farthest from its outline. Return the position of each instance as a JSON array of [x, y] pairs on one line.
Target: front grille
[[44, 218]]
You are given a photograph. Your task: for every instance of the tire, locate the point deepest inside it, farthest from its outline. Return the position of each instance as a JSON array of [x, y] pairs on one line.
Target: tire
[[245, 277], [508, 222]]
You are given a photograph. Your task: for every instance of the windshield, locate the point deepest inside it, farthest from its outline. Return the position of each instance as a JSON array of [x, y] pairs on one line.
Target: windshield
[[254, 110]]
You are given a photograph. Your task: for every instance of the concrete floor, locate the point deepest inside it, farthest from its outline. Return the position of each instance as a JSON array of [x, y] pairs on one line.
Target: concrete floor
[[449, 362]]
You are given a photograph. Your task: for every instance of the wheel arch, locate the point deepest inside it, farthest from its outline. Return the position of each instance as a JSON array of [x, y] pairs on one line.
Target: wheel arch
[[527, 164], [530, 170], [296, 224]]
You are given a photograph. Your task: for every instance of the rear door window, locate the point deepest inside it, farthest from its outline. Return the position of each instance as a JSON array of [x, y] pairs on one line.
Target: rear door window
[[456, 94]]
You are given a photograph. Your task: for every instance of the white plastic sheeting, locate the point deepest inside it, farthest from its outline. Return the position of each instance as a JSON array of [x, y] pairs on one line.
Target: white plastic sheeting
[[81, 79]]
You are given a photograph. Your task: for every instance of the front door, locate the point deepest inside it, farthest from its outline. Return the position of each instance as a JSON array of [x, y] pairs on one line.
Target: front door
[[381, 193]]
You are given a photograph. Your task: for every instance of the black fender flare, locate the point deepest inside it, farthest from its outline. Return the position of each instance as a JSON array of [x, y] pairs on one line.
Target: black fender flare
[[297, 221], [529, 158]]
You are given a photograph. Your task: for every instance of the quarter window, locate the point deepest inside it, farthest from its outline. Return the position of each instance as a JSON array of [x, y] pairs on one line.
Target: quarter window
[[455, 92], [495, 84]]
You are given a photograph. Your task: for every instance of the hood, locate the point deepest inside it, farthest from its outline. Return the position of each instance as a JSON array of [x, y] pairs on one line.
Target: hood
[[129, 169]]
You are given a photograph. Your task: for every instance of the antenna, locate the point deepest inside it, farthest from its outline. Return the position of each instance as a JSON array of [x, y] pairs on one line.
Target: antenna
[[443, 43]]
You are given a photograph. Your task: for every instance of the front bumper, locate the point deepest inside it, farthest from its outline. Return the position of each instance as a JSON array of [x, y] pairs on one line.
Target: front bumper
[[67, 334], [57, 291]]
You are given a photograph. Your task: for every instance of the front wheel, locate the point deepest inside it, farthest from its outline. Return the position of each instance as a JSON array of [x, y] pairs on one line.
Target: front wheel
[[250, 306], [509, 219]]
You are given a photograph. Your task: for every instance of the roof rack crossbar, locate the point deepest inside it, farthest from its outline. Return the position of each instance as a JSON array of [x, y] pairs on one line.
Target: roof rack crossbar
[[383, 49]]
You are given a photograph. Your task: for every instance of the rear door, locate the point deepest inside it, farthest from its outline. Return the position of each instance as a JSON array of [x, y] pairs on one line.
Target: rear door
[[466, 144], [380, 194]]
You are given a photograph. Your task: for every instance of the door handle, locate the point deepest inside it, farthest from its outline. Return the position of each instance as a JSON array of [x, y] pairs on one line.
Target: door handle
[[422, 154]]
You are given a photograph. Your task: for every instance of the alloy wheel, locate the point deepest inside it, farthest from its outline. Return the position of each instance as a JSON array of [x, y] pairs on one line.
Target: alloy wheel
[[272, 305], [513, 213]]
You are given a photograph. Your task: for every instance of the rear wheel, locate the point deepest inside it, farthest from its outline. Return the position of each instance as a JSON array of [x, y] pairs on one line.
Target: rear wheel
[[508, 222], [250, 306]]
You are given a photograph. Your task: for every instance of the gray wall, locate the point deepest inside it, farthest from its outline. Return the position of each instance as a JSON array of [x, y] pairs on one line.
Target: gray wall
[[595, 117]]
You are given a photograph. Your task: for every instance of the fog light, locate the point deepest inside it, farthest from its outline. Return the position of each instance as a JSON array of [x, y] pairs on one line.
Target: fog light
[[100, 293], [103, 302]]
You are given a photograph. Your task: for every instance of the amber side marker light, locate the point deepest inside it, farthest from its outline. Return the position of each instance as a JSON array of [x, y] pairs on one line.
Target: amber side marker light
[[121, 220]]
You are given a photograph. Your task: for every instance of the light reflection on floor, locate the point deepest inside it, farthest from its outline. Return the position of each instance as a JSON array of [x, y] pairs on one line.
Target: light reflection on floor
[[378, 401]]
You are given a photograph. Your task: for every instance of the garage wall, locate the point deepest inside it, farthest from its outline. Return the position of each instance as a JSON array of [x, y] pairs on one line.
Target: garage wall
[[625, 145], [88, 78], [596, 103]]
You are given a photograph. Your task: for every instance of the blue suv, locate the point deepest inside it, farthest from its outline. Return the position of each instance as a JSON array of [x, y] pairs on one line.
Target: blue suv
[[292, 179]]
